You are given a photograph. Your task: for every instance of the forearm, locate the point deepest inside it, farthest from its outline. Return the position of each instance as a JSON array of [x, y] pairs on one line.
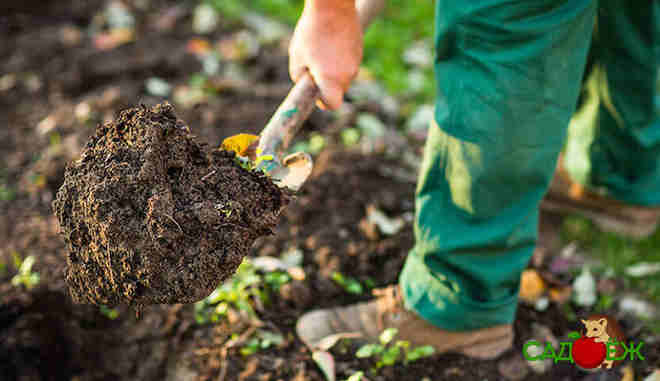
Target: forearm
[[334, 4], [327, 43], [337, 8]]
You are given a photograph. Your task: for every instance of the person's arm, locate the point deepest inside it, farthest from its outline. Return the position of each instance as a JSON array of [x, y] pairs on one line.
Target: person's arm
[[327, 42]]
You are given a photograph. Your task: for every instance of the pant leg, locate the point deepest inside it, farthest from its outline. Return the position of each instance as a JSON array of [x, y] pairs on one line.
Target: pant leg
[[508, 76], [625, 153]]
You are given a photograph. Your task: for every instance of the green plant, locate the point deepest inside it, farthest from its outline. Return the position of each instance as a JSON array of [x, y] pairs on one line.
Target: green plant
[[55, 139], [388, 352], [605, 302], [110, 313], [238, 293], [357, 376], [250, 165], [3, 269], [6, 193], [262, 339], [284, 10], [618, 253], [351, 285], [25, 275], [276, 279]]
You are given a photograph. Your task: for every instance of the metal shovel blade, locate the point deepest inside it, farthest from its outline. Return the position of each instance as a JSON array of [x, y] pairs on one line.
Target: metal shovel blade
[[293, 172]]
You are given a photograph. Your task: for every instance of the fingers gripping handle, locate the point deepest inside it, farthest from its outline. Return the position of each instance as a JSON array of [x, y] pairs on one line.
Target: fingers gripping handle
[[297, 106]]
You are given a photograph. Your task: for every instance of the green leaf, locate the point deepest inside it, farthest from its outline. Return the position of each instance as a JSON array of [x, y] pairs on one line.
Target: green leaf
[[110, 313], [221, 308], [350, 136], [387, 335], [574, 335], [357, 376], [261, 158], [420, 352], [349, 284], [316, 143], [271, 338], [403, 344], [368, 350], [276, 279], [17, 259], [354, 287], [390, 356], [197, 80], [251, 347]]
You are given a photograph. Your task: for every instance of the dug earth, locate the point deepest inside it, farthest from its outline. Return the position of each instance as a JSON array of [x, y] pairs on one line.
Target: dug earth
[[151, 216]]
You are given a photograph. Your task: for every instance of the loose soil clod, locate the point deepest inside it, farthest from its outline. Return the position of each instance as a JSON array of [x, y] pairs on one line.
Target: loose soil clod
[[149, 216]]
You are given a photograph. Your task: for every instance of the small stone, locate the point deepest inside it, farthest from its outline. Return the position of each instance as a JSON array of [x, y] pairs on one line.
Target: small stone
[[119, 16], [268, 30], [241, 46], [417, 80], [47, 124], [158, 87], [385, 224], [655, 376], [293, 257], [542, 334], [32, 82], [83, 112], [7, 82], [418, 124], [637, 307], [420, 54], [643, 269], [584, 288], [210, 64], [205, 19], [542, 303], [370, 126]]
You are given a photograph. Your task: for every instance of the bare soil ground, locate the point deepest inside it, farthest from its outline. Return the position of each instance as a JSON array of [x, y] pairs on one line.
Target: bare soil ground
[[44, 336]]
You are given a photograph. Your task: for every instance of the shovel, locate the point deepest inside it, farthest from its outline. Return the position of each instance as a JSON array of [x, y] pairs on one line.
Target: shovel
[[292, 171]]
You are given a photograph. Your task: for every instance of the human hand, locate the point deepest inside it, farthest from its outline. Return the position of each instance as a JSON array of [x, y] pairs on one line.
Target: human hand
[[327, 42]]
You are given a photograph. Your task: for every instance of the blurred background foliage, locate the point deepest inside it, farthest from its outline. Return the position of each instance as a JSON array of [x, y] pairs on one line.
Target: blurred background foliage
[[385, 42]]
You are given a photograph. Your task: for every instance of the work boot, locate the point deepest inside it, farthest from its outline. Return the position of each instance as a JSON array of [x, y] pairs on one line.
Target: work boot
[[387, 311], [567, 196]]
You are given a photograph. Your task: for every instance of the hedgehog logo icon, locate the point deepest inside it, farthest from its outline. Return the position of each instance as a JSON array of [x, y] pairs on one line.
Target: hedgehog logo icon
[[593, 349], [599, 344]]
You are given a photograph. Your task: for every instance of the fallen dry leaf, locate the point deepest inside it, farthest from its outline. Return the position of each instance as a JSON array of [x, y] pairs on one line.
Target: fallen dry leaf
[[532, 286]]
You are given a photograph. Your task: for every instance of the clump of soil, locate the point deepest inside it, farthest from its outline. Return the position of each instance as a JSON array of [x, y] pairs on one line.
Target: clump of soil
[[150, 216]]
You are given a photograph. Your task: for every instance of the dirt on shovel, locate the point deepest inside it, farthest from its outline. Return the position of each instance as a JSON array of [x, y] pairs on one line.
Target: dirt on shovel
[[151, 216]]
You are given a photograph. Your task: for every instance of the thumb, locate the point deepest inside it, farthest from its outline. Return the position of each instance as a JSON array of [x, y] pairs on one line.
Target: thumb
[[332, 93]]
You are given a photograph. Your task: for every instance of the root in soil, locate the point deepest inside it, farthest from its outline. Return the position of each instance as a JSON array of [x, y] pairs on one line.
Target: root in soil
[[151, 216]]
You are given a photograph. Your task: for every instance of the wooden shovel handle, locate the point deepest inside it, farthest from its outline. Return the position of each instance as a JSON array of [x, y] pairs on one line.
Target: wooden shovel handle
[[299, 104]]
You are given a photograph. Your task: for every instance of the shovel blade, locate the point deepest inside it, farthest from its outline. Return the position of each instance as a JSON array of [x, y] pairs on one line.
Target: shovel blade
[[294, 171]]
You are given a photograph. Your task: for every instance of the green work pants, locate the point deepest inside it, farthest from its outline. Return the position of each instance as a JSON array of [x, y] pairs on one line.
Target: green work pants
[[509, 75]]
